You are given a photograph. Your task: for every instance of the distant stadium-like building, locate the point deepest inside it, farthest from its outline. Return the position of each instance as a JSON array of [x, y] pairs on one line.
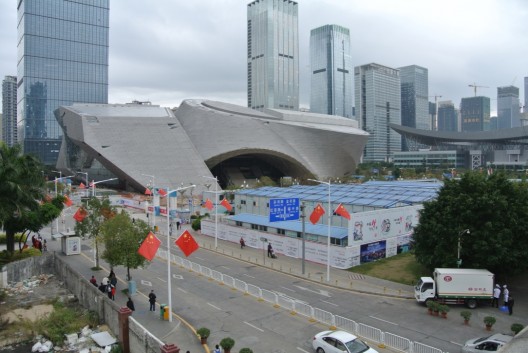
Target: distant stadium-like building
[[142, 143]]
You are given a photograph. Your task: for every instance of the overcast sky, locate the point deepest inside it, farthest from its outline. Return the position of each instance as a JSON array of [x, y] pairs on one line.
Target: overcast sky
[[165, 51]]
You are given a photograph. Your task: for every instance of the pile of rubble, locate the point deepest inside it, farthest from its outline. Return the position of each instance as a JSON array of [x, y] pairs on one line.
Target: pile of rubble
[[86, 341], [37, 289]]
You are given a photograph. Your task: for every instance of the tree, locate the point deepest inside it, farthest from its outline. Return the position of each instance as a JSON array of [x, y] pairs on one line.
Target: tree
[[492, 208], [122, 239], [99, 211], [21, 188]]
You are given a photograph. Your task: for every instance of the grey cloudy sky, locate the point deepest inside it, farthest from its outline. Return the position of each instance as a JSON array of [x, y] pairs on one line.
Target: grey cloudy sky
[[165, 51]]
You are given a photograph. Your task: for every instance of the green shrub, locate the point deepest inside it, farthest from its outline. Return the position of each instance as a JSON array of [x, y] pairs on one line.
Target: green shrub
[[245, 350], [116, 348], [466, 314], [227, 343], [196, 224], [490, 320], [203, 332], [516, 328]]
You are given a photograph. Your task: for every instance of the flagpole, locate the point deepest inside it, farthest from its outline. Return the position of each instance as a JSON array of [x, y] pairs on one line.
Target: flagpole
[[153, 206], [169, 283], [216, 207], [329, 227]]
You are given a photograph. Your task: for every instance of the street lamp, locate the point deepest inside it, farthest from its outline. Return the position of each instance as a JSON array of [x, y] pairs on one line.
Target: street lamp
[[216, 207], [459, 260], [329, 221], [168, 245], [56, 193], [85, 173], [98, 182], [153, 203]]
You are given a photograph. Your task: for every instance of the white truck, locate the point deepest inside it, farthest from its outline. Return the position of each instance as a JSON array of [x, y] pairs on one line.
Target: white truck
[[456, 286]]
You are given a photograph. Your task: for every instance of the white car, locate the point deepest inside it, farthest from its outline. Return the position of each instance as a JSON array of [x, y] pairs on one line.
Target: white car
[[486, 344], [339, 342]]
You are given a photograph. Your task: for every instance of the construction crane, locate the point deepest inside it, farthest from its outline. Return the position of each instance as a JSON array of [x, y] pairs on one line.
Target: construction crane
[[475, 86]]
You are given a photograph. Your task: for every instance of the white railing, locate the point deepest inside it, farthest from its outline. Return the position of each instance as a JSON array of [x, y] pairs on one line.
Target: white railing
[[369, 332], [423, 348], [397, 342]]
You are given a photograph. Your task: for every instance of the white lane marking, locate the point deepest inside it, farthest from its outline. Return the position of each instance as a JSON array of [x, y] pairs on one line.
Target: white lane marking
[[255, 327], [199, 258], [291, 290], [458, 344], [161, 279], [250, 276], [324, 301], [217, 308], [146, 283], [389, 322], [302, 350], [321, 292], [182, 290], [227, 268], [177, 276]]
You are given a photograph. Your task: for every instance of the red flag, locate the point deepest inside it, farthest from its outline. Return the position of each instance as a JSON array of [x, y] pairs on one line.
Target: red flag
[[162, 192], [147, 191], [208, 204], [82, 186], [342, 211], [186, 243], [317, 213], [67, 201], [149, 246], [80, 215], [226, 204]]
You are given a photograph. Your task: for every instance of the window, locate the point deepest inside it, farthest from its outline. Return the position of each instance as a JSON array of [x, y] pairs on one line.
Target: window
[[254, 226], [263, 228], [281, 231], [238, 224], [242, 202]]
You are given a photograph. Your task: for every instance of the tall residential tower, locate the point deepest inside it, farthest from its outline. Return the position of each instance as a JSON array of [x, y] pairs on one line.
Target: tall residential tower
[[331, 71], [273, 54], [9, 110], [378, 103], [508, 107], [62, 59]]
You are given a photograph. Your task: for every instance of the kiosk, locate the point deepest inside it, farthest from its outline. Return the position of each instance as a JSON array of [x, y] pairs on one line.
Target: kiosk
[[70, 244]]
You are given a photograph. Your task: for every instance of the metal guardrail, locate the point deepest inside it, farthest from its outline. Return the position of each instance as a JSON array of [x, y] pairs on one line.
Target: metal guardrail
[[371, 333]]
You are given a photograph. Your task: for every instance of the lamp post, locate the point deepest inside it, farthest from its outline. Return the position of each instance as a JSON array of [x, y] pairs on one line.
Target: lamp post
[[216, 207], [329, 223], [153, 206], [169, 285], [303, 217], [460, 234], [56, 193], [85, 173], [98, 182]]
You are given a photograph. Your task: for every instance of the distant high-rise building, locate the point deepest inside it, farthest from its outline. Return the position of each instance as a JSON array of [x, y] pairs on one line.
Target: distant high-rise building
[[447, 116], [414, 81], [525, 94], [62, 59], [378, 103], [273, 54], [475, 114], [331, 71], [508, 112], [9, 110]]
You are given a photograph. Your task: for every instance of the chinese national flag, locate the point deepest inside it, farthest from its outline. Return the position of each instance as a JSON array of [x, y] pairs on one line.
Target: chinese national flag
[[186, 243], [317, 213], [162, 192], [149, 246], [147, 191], [67, 201], [342, 211], [82, 186], [80, 215], [208, 204], [226, 204]]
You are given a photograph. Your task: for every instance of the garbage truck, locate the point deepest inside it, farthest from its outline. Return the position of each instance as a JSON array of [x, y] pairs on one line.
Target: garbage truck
[[456, 286]]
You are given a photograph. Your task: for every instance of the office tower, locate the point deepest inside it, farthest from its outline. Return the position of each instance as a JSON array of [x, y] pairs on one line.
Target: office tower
[[378, 103], [447, 116], [331, 71], [62, 59], [9, 110], [508, 112], [525, 94], [273, 54], [475, 114], [414, 81]]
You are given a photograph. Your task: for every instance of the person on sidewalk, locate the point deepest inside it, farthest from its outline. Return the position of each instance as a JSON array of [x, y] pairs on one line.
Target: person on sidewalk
[[270, 250], [93, 281], [242, 243], [217, 349], [506, 294], [152, 300], [130, 304], [496, 296], [510, 305]]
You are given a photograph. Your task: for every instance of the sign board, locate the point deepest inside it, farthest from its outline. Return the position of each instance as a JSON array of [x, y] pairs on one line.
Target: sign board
[[284, 209]]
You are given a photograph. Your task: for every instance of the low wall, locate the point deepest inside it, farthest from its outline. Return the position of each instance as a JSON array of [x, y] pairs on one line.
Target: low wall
[[89, 296]]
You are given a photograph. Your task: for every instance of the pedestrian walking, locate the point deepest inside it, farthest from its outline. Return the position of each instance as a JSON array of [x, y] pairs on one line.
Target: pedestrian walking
[[217, 349], [113, 280], [506, 294], [242, 243], [130, 304], [109, 290], [270, 250], [496, 296], [93, 281], [510, 305], [102, 287], [113, 292], [152, 300]]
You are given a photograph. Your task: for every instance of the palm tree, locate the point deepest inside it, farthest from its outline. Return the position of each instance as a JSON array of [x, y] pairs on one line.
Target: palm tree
[[21, 187]]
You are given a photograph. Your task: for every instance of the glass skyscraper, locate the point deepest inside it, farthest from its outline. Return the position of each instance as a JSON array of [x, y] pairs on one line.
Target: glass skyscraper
[[378, 103], [414, 82], [508, 109], [9, 110], [447, 116], [475, 114], [331, 71], [273, 54], [62, 59]]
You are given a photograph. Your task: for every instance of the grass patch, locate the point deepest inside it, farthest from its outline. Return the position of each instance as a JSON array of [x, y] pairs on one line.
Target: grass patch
[[401, 268]]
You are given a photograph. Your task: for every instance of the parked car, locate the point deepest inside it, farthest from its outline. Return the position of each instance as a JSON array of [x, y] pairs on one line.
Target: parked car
[[339, 342], [486, 344]]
